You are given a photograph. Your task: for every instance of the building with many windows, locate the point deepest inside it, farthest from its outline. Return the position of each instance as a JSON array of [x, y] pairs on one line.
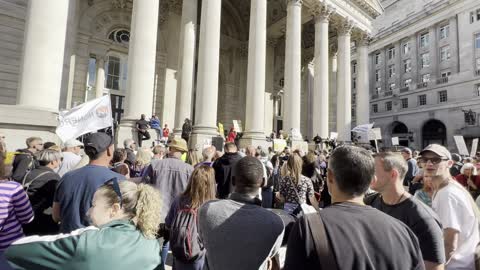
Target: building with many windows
[[425, 72]]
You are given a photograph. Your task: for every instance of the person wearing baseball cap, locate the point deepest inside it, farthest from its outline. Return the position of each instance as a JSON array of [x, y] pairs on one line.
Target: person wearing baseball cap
[[170, 177], [455, 208], [71, 156], [75, 190]]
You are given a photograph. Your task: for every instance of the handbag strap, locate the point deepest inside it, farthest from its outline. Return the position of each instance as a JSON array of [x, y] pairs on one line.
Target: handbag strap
[[320, 240], [295, 189], [26, 186]]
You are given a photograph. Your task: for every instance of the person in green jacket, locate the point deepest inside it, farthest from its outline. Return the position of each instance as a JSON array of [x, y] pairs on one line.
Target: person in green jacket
[[126, 218]]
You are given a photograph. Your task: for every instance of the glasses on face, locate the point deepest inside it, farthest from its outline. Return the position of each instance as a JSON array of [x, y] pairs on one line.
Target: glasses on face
[[433, 160], [114, 183]]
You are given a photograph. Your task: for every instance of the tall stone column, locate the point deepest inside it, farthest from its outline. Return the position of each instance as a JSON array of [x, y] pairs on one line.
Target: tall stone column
[[187, 64], [320, 92], [43, 54], [363, 90], [100, 80], [255, 99], [207, 77], [141, 68], [293, 68], [344, 90], [141, 59]]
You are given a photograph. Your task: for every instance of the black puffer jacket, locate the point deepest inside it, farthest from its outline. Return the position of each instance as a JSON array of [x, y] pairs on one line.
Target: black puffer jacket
[[223, 173], [23, 162]]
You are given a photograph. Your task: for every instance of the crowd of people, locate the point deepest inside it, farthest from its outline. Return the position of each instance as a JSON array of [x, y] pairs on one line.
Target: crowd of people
[[89, 205]]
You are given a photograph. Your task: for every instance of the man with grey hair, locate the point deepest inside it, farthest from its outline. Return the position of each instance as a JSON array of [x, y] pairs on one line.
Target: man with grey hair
[[412, 170], [352, 235], [71, 156], [159, 152], [392, 199], [207, 154], [24, 160], [130, 147]]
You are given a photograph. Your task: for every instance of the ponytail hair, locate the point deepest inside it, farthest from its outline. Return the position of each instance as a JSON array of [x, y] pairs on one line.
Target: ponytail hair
[[140, 203]]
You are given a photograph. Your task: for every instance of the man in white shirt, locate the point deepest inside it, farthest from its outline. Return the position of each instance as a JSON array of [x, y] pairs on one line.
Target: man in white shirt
[[455, 208], [71, 156]]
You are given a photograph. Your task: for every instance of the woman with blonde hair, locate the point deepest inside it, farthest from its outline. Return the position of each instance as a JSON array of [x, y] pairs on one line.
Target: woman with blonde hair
[[200, 189], [126, 217], [142, 160], [295, 188]]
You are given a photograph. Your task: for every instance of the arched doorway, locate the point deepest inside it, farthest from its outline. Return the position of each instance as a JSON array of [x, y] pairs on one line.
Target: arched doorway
[[434, 131], [400, 130]]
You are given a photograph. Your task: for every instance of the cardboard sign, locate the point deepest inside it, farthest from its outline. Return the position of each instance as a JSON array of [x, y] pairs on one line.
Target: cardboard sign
[[395, 141], [279, 144], [375, 134], [237, 124], [333, 135], [474, 147], [461, 145]]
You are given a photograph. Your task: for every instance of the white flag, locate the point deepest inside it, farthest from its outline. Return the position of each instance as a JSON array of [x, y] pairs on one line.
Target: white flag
[[87, 117]]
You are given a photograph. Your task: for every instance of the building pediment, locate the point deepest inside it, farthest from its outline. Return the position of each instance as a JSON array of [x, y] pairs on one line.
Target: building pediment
[[372, 7]]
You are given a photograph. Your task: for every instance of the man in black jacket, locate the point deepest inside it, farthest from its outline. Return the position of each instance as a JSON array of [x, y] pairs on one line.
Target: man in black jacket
[[223, 170], [24, 160]]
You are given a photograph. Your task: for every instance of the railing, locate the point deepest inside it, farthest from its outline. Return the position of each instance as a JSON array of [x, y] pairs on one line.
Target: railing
[[404, 89], [388, 93], [422, 85], [374, 96], [477, 72], [442, 80]]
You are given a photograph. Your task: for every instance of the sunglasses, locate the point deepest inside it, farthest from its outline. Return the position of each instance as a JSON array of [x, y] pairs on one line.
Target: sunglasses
[[114, 183], [433, 160]]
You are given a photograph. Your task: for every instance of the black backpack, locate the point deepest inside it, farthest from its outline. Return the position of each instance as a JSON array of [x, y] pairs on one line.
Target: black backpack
[[185, 241]]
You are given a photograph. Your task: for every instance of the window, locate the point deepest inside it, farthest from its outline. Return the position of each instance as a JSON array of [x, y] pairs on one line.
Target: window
[[113, 73], [388, 106], [407, 83], [391, 53], [422, 100], [407, 65], [391, 71], [424, 40], [426, 77], [446, 74], [478, 14], [391, 86], [377, 59], [121, 36], [354, 67], [442, 96], [378, 90], [354, 83], [404, 103], [445, 53], [406, 48], [375, 108], [477, 63], [444, 31], [477, 41], [472, 17], [92, 71], [424, 60], [378, 75], [477, 89]]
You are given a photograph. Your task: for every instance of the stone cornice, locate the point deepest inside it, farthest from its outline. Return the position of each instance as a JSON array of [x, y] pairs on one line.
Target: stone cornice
[[295, 2]]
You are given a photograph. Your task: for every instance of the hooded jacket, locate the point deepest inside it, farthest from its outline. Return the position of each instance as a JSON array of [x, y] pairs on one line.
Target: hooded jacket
[[117, 245], [223, 173]]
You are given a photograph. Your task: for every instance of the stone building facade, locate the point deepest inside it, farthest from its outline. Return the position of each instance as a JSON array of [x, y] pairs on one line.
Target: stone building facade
[[425, 72], [273, 65]]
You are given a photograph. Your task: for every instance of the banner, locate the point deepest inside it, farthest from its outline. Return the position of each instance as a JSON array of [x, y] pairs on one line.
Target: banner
[[461, 145], [362, 133], [221, 130], [474, 147], [87, 117]]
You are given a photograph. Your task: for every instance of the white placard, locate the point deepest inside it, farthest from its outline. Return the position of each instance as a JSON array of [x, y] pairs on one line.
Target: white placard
[[395, 141], [461, 145], [237, 124], [474, 147], [88, 117], [375, 134], [333, 135]]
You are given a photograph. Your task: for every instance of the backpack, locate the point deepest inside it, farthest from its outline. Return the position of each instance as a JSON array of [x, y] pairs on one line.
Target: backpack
[[185, 241]]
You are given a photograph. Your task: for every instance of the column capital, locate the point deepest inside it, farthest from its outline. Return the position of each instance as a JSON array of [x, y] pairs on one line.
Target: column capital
[[272, 42], [333, 48], [363, 39], [322, 12], [175, 6], [295, 2], [345, 27], [117, 3]]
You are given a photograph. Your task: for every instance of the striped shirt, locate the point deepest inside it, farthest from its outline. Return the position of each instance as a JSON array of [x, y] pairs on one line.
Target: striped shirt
[[15, 210]]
